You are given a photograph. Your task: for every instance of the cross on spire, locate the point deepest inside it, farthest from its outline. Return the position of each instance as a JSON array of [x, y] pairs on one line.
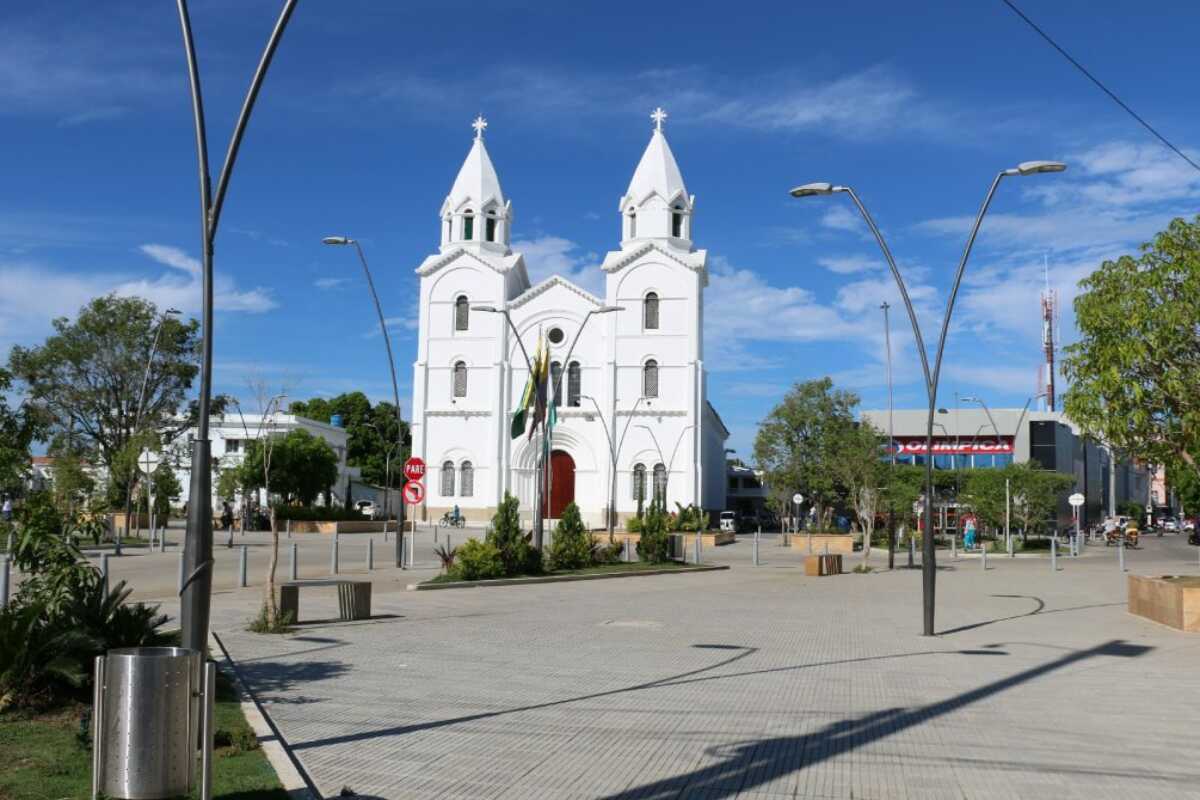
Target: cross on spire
[[480, 124], [658, 116]]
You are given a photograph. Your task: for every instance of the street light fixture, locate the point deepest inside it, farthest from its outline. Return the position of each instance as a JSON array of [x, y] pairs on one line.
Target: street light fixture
[[928, 564], [387, 341], [973, 399]]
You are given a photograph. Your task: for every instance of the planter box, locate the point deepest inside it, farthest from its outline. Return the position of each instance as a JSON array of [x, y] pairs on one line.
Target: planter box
[[340, 526], [820, 566], [135, 521], [840, 543], [1173, 600], [707, 539]]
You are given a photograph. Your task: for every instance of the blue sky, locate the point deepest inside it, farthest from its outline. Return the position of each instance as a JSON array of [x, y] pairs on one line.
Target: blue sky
[[365, 119]]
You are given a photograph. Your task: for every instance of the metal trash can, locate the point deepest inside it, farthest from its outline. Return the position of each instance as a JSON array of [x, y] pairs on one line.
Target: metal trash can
[[151, 718]]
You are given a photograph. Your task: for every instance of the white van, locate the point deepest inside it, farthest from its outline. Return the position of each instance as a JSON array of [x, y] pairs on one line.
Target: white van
[[729, 521]]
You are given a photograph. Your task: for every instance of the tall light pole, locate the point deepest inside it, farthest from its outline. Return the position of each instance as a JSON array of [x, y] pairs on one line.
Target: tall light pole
[[887, 340], [928, 565], [195, 596]]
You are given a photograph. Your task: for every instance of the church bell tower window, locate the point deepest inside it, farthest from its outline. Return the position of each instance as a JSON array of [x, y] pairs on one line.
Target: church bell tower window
[[468, 227], [462, 313], [650, 379], [650, 312], [632, 224], [460, 379], [489, 231], [677, 223]]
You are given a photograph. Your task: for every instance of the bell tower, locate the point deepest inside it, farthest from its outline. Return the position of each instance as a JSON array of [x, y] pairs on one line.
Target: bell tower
[[475, 214], [656, 206]]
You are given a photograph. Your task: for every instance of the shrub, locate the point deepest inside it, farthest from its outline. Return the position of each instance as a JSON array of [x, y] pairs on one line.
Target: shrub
[[515, 550], [689, 518], [446, 555], [634, 524], [476, 561], [571, 547], [654, 545], [607, 553], [262, 623]]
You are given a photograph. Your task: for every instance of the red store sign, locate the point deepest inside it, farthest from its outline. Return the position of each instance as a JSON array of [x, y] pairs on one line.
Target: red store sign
[[915, 445]]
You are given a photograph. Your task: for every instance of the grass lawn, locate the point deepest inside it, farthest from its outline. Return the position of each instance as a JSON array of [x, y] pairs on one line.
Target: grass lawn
[[43, 759], [620, 566]]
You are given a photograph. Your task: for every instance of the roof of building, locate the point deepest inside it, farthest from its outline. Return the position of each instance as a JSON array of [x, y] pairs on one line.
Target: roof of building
[[657, 173], [477, 182]]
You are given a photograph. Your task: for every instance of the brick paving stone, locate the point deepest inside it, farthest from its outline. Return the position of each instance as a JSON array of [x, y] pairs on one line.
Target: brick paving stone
[[753, 683]]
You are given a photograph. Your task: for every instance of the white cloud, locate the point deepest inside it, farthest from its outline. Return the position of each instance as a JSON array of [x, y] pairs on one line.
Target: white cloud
[[329, 283], [840, 218], [848, 265], [553, 255], [172, 257]]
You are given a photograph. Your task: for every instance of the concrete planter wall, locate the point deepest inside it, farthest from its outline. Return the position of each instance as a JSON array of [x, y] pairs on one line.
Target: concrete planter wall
[[708, 539], [1171, 599], [341, 526], [841, 543], [135, 521]]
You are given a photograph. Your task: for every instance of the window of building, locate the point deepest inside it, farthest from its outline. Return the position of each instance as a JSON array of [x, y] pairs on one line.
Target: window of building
[[489, 231], [449, 229], [460, 379], [574, 384], [650, 379], [650, 312], [468, 227], [941, 462], [639, 481], [462, 313], [555, 336], [733, 484], [1005, 460], [233, 445], [466, 480], [660, 483], [632, 224], [677, 223], [556, 382], [447, 479]]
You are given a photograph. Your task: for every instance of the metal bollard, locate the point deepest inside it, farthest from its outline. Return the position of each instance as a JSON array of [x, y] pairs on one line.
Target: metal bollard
[[1121, 552], [104, 573], [912, 549], [756, 535], [287, 525], [180, 573], [295, 562], [333, 556], [954, 546], [242, 568], [697, 548], [370, 554], [983, 554], [1011, 553], [628, 551], [1054, 553], [4, 578]]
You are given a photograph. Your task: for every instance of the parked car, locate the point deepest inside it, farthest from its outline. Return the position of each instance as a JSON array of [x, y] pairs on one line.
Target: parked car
[[1170, 525], [729, 521], [368, 509]]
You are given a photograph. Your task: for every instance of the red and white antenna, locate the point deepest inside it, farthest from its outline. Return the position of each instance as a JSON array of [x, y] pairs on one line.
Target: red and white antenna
[[1050, 339]]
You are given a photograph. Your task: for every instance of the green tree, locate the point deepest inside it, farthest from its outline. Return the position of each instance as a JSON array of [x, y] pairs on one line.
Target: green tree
[[19, 428], [983, 491], [859, 470], [1135, 369], [88, 377], [166, 486], [797, 444], [654, 543], [506, 536], [301, 466], [1186, 485], [370, 433], [1035, 494], [571, 546]]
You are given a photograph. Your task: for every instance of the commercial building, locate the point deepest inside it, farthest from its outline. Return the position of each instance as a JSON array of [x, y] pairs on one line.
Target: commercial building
[[974, 438]]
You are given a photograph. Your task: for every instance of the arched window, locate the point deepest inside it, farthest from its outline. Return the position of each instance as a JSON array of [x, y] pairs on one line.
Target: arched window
[[466, 480], [489, 227], [660, 483], [677, 223], [650, 379], [632, 224], [574, 383], [449, 229], [460, 379], [650, 312], [639, 481], [556, 382], [462, 313], [468, 226], [447, 479]]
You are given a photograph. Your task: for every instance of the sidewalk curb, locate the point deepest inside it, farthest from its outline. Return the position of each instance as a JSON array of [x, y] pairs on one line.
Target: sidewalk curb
[[426, 587], [291, 775]]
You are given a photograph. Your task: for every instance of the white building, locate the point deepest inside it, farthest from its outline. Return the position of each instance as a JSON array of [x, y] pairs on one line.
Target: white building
[[642, 367]]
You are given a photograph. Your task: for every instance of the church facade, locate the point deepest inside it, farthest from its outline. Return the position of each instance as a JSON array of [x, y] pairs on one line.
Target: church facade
[[632, 381]]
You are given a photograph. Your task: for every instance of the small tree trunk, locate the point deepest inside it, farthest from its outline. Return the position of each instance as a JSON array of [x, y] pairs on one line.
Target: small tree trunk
[[272, 606]]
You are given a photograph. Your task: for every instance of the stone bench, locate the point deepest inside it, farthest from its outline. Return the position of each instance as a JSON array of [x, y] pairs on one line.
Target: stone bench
[[820, 566], [354, 597]]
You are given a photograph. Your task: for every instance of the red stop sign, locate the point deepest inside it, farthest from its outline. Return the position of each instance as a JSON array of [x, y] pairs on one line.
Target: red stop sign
[[414, 468]]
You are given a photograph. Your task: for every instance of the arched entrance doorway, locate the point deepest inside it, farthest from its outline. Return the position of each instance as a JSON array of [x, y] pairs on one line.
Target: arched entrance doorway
[[562, 484]]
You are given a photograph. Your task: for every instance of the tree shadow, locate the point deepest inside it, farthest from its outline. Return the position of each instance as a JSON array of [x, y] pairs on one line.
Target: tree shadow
[[747, 765], [275, 678]]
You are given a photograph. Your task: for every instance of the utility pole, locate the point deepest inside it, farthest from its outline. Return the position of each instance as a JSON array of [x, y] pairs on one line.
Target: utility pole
[[887, 339]]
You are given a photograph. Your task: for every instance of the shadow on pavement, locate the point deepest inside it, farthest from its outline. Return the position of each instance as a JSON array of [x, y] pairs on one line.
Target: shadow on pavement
[[748, 765], [273, 678], [1041, 604]]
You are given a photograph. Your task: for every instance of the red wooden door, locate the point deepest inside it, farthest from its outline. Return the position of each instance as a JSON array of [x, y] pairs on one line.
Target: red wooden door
[[562, 483]]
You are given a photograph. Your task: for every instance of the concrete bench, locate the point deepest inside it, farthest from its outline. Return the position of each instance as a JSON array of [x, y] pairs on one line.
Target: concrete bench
[[354, 597]]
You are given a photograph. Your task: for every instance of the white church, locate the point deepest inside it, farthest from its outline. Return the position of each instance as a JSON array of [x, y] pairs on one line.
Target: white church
[[633, 385]]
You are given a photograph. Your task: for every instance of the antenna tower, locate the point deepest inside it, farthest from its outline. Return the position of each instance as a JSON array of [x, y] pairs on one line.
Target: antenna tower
[[1049, 335]]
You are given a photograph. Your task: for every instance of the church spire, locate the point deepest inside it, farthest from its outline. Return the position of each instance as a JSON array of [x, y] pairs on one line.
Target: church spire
[[656, 205], [475, 212]]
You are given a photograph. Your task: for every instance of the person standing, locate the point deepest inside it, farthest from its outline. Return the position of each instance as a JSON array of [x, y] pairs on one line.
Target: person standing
[[6, 509]]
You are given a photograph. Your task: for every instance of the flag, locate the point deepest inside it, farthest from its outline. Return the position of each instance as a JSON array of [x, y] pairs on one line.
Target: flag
[[529, 396], [541, 368]]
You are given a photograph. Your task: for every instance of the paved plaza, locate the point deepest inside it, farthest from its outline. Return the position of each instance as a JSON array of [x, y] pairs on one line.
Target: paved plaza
[[755, 682]]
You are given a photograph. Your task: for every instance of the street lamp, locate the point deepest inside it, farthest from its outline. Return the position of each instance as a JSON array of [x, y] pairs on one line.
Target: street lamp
[[986, 410], [928, 565], [387, 341], [668, 463], [195, 596]]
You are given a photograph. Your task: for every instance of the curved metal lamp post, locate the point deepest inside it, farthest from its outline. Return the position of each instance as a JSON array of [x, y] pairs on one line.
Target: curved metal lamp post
[[195, 596], [928, 565]]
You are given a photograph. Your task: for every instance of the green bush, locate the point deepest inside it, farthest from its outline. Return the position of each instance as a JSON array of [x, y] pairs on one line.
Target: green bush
[[518, 555], [606, 552], [634, 524], [655, 544], [476, 561], [689, 518], [571, 547]]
